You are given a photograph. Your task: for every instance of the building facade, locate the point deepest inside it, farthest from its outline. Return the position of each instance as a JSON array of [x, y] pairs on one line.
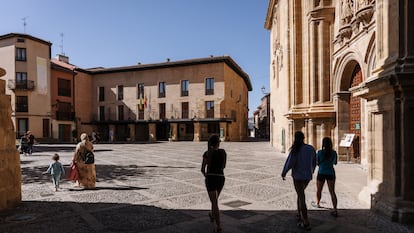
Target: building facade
[[26, 60], [173, 100], [262, 119], [62, 99], [343, 67]]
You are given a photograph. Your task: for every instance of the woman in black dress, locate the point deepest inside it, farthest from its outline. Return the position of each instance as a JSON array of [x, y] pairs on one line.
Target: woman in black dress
[[214, 162]]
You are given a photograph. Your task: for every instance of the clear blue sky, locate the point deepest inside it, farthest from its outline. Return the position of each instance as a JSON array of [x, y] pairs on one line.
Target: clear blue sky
[[112, 33]]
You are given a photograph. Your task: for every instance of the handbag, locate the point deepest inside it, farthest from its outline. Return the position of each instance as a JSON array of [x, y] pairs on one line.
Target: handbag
[[73, 173], [89, 157]]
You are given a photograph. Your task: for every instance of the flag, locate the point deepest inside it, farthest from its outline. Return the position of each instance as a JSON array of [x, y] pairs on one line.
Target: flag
[[140, 102], [145, 102]]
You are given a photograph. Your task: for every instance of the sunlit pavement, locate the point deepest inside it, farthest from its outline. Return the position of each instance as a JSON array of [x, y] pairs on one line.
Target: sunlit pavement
[[159, 188]]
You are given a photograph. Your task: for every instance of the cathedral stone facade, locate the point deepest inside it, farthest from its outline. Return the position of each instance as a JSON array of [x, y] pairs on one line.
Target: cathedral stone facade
[[346, 68], [10, 182]]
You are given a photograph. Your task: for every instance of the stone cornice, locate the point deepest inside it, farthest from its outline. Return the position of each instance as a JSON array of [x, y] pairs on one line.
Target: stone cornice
[[322, 13], [269, 15]]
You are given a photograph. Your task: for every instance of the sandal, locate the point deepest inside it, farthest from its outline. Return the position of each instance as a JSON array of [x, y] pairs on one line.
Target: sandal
[[315, 205], [334, 213], [304, 226]]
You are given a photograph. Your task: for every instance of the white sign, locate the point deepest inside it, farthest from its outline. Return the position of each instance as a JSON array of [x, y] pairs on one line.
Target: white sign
[[347, 139]]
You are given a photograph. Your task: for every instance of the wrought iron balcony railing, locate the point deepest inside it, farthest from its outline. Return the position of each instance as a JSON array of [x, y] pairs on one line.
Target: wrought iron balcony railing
[[20, 85]]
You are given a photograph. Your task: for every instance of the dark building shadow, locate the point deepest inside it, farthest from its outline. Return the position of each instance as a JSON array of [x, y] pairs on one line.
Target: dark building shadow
[[80, 217]]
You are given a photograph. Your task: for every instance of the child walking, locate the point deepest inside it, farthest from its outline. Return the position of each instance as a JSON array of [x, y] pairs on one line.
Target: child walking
[[56, 170]]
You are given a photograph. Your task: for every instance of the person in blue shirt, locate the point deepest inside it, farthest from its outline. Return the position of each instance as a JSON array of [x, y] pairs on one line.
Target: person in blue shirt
[[326, 159], [302, 161], [56, 170]]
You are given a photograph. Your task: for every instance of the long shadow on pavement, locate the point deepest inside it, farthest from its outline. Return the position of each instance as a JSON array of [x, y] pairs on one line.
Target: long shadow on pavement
[[59, 216], [34, 174]]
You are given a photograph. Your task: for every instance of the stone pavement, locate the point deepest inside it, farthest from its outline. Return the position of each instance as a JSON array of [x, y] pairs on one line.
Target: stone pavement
[[158, 188]]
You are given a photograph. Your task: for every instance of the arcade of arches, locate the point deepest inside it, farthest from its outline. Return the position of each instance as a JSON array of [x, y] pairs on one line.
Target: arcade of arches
[[346, 68]]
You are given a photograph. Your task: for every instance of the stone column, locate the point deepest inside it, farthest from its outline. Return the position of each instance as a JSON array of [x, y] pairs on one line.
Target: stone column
[[174, 131], [152, 130], [10, 172], [197, 131], [313, 61], [132, 137]]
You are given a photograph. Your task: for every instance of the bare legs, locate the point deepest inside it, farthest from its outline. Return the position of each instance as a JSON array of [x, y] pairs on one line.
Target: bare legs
[[331, 187], [214, 195], [300, 186]]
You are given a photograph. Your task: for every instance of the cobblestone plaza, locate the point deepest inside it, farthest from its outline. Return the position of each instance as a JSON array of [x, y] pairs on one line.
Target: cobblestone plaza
[[158, 187]]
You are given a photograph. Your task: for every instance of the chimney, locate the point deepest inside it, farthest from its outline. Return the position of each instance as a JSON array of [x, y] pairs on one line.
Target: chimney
[[62, 58]]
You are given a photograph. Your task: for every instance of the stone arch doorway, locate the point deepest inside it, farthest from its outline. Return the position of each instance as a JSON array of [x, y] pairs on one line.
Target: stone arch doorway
[[349, 110], [355, 115]]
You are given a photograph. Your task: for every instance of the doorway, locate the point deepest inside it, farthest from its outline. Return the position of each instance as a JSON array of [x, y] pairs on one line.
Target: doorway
[[355, 116]]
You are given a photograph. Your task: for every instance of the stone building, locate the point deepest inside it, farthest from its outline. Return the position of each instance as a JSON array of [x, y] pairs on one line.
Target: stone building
[[62, 99], [26, 60], [346, 67], [262, 119], [174, 100]]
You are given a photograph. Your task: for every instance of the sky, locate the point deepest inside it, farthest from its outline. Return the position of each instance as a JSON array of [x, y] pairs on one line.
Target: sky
[[113, 33]]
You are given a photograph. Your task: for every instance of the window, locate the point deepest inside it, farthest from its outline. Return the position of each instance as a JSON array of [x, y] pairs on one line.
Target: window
[[210, 86], [161, 90], [22, 126], [184, 110], [101, 94], [184, 87], [20, 40], [22, 104], [46, 128], [209, 109], [120, 92], [21, 80], [64, 111], [120, 112], [20, 54], [140, 113], [64, 87], [101, 113], [140, 91], [162, 111]]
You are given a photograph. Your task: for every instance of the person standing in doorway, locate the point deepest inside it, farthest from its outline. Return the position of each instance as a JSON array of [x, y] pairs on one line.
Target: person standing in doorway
[[326, 159], [111, 135], [302, 161], [212, 167]]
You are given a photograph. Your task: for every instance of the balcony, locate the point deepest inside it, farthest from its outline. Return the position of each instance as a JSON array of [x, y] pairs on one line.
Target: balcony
[[65, 116], [20, 85]]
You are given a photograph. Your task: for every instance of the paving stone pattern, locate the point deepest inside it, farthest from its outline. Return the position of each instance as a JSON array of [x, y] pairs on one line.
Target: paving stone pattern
[[158, 188]]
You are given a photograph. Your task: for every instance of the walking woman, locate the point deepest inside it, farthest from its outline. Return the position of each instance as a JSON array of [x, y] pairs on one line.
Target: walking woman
[[87, 172], [326, 159], [302, 161], [214, 162]]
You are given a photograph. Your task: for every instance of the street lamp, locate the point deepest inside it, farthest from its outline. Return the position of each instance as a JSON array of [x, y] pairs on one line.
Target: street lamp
[[264, 90]]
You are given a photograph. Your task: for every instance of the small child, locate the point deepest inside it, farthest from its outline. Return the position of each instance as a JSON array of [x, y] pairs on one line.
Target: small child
[[56, 170]]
